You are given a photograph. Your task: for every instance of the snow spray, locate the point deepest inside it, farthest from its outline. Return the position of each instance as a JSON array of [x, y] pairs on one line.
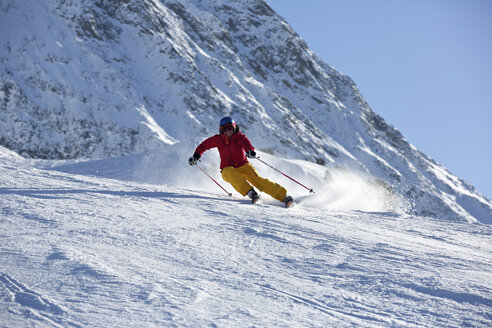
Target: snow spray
[[345, 189]]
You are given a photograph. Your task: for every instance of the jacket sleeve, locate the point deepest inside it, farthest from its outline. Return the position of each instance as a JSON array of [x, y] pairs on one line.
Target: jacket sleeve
[[246, 144], [207, 144]]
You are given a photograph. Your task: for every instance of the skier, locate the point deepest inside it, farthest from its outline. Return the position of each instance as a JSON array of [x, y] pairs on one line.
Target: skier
[[233, 145]]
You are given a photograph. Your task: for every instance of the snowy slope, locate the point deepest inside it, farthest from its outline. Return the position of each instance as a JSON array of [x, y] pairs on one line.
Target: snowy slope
[[88, 251], [97, 79]]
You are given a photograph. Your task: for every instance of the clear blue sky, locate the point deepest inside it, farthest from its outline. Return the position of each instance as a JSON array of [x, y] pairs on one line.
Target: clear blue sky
[[425, 66]]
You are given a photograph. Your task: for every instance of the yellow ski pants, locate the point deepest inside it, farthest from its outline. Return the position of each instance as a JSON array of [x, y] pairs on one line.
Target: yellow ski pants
[[239, 177]]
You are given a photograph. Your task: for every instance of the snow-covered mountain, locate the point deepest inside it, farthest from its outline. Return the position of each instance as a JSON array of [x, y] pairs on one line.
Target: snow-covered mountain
[[88, 251], [97, 79]]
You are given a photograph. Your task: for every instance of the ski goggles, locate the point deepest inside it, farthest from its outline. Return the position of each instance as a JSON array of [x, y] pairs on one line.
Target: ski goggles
[[227, 127]]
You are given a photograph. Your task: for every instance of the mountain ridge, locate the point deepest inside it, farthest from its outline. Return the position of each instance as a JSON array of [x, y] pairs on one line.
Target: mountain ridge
[[96, 79]]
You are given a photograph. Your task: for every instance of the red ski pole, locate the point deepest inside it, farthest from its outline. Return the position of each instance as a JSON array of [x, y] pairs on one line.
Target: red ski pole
[[228, 193], [310, 190]]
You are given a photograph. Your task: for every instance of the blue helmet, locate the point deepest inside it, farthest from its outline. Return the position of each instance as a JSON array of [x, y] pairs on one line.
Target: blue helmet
[[227, 121]]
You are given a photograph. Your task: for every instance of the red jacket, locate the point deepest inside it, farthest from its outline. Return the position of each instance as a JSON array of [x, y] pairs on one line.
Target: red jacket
[[231, 149]]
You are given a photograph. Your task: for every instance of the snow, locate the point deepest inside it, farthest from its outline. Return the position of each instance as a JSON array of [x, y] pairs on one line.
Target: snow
[[89, 79], [95, 244], [126, 233], [154, 127]]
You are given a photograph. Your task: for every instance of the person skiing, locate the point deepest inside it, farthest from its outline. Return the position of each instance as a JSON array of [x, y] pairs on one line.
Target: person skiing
[[234, 150]]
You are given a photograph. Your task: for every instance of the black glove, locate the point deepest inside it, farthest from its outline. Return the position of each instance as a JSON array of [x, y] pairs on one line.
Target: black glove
[[251, 154], [193, 159]]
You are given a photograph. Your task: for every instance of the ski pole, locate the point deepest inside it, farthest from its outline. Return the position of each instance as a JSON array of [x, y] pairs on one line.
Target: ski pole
[[228, 193], [310, 190]]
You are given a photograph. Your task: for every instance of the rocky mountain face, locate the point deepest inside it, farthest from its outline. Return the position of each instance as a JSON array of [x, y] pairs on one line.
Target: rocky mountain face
[[101, 78]]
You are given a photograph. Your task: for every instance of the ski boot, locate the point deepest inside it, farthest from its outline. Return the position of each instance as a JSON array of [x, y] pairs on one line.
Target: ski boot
[[288, 201], [254, 196]]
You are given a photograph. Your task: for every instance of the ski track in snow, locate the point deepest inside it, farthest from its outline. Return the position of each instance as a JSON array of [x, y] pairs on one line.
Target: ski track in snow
[[84, 251]]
